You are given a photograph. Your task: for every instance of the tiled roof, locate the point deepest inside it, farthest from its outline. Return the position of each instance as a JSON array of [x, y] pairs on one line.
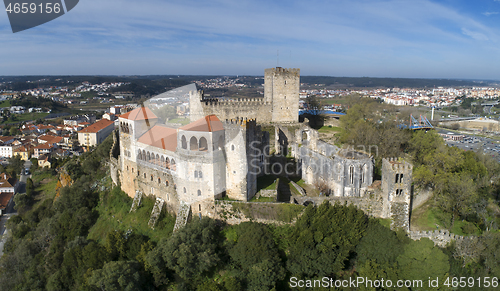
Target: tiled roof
[[98, 126], [44, 146], [141, 113], [50, 138], [209, 123], [4, 199], [160, 136], [6, 181]]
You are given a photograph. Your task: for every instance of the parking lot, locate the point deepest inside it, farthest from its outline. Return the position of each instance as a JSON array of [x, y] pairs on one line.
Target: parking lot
[[489, 146]]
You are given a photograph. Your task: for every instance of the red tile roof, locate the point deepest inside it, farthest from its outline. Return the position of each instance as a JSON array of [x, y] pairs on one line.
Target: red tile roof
[[160, 136], [44, 146], [141, 113], [209, 123], [4, 199], [98, 126], [7, 181], [50, 138]]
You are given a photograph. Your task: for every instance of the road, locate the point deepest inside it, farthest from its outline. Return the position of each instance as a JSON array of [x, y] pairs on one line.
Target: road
[[10, 211]]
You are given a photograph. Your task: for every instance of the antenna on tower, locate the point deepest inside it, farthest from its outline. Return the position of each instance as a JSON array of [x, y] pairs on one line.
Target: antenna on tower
[[278, 58]]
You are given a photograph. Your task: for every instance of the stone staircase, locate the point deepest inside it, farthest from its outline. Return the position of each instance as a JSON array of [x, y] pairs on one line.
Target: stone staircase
[[155, 214], [137, 201], [182, 215]]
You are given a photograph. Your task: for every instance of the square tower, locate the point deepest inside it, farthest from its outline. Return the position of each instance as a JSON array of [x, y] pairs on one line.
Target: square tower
[[396, 189], [281, 88]]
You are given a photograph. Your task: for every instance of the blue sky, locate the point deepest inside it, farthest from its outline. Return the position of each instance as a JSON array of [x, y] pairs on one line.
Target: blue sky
[[413, 38]]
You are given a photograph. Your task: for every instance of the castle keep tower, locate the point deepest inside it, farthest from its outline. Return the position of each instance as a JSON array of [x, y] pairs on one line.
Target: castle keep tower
[[396, 184], [281, 88]]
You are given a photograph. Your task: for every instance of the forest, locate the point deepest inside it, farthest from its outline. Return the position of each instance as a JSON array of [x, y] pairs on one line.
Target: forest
[[84, 237]]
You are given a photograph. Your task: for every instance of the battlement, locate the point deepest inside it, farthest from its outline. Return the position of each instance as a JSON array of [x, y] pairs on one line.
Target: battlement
[[241, 121], [397, 164], [239, 102], [280, 70]]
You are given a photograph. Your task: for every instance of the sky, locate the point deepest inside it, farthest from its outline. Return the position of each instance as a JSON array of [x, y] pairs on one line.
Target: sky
[[456, 39]]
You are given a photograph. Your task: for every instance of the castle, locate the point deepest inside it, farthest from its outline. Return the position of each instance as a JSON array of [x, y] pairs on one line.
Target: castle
[[224, 150]]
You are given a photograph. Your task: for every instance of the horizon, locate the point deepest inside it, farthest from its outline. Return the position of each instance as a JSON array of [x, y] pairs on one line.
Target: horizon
[[423, 39]]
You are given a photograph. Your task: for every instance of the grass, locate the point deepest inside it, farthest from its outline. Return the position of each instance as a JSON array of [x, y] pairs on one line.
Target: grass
[[283, 212], [329, 129], [5, 103], [267, 182], [24, 117], [182, 121], [427, 218], [114, 207], [262, 199]]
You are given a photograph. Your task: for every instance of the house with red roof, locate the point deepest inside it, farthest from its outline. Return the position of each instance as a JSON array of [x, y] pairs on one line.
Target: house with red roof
[[96, 133]]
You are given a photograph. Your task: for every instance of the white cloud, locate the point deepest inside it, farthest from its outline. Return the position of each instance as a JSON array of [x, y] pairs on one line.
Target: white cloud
[[490, 13], [475, 35]]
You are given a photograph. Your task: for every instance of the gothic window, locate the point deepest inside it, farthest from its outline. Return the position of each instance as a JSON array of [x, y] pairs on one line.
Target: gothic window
[[400, 191], [143, 155], [193, 144], [148, 157], [162, 162], [138, 173], [199, 193], [184, 190], [144, 175], [401, 178], [184, 142], [166, 183], [397, 192], [159, 180], [151, 178], [167, 163], [200, 175], [232, 147], [397, 178], [362, 177], [203, 144], [199, 207], [351, 174], [172, 165], [157, 160]]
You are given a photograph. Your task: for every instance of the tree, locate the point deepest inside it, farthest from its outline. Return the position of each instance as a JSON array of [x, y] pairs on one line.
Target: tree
[[256, 254], [191, 252], [421, 260], [323, 239], [118, 275]]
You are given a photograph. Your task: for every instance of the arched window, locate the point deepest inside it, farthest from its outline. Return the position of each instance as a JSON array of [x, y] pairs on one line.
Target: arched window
[[184, 190], [132, 170], [220, 143], [151, 178], [199, 206], [401, 178], [173, 167], [157, 160], [167, 163], [397, 178], [143, 155], [138, 173], [127, 168], [351, 174], [162, 162], [199, 192], [232, 147], [148, 157], [159, 180], [166, 183], [144, 175], [203, 144], [184, 142], [200, 175], [193, 144]]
